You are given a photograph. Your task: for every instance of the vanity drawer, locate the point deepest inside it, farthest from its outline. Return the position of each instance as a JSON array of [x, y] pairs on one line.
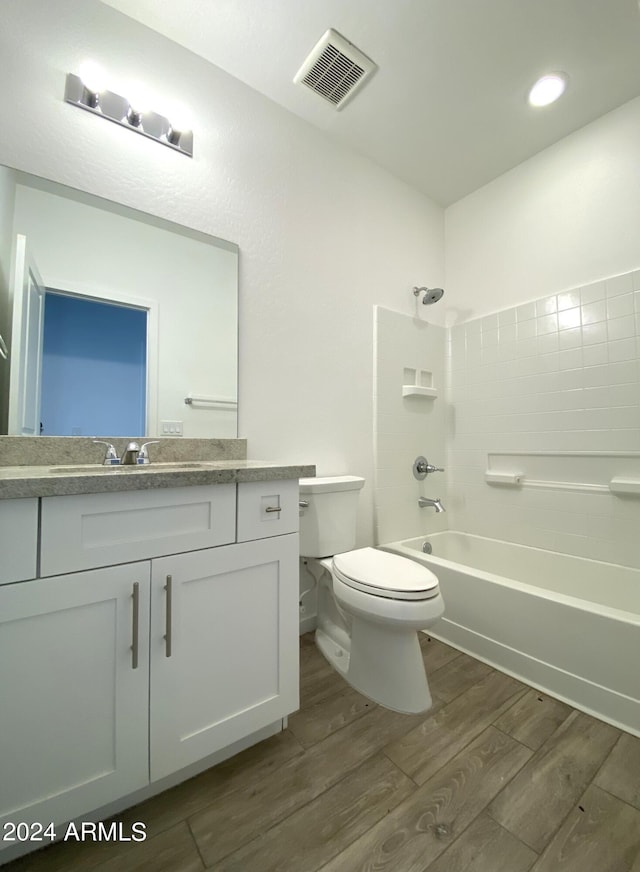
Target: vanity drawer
[[81, 532], [18, 539], [267, 508]]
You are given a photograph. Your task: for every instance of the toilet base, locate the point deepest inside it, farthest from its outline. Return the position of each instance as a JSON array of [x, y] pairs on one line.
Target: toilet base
[[337, 655], [383, 664]]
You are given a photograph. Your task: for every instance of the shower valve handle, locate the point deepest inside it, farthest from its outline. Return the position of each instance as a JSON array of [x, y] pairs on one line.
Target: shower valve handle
[[422, 468]]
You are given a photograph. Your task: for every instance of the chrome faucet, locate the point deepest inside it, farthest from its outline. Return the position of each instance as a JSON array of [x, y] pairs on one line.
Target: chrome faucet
[[130, 454], [426, 502]]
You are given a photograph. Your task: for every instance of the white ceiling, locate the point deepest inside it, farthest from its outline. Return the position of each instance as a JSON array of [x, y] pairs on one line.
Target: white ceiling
[[446, 111]]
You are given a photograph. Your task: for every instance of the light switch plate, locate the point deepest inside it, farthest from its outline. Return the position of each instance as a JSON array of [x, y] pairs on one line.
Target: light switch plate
[[171, 428]]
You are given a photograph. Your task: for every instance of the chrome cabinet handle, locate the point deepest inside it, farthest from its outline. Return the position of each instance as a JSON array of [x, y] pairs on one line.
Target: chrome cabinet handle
[[273, 509], [303, 504], [135, 596], [167, 636]]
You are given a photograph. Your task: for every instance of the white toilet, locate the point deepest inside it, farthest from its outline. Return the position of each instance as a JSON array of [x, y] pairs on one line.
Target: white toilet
[[370, 603]]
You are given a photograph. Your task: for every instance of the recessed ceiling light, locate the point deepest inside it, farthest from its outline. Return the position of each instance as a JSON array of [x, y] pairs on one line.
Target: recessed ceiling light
[[547, 89]]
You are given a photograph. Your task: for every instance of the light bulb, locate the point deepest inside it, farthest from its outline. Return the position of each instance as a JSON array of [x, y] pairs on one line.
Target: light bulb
[[547, 89], [138, 97], [93, 77], [179, 116]]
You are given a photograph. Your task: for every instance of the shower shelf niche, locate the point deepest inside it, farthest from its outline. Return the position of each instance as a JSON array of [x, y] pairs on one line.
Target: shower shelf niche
[[419, 383]]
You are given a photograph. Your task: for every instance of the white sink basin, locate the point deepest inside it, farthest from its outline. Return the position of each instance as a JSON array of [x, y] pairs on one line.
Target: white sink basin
[[94, 469]]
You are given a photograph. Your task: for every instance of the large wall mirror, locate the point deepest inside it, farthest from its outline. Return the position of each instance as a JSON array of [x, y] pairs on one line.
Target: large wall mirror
[[112, 321]]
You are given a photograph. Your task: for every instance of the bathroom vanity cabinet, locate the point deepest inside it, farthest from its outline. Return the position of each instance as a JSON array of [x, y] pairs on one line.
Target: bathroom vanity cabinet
[[160, 629]]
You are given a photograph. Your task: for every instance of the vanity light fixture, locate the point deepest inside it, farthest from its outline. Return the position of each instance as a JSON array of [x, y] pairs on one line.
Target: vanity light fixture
[[548, 89], [113, 107]]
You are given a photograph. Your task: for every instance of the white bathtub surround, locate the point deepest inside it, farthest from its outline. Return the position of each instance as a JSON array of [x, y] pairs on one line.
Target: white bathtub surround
[[409, 352], [550, 391], [543, 449], [567, 625]]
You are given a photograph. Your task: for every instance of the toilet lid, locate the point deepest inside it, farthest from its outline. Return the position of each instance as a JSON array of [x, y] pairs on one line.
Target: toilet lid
[[380, 573]]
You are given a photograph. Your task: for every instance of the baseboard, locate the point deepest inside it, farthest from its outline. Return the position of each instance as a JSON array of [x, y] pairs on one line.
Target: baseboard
[[615, 708]]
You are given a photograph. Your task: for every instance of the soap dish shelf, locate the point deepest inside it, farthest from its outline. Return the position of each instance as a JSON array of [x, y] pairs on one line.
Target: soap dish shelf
[[625, 486], [419, 391]]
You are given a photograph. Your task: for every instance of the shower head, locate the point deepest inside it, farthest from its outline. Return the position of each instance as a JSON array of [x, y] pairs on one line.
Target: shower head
[[431, 295]]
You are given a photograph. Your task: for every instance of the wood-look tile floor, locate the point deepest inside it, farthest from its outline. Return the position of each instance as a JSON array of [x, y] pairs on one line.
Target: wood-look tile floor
[[497, 777]]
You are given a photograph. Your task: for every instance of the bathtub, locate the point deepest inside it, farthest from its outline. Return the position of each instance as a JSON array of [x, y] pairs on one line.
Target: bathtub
[[565, 625]]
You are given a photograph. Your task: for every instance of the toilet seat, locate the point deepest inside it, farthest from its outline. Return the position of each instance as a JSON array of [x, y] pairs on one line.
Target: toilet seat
[[382, 574]]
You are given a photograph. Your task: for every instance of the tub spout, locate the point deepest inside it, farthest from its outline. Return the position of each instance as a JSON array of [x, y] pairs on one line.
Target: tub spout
[[425, 502]]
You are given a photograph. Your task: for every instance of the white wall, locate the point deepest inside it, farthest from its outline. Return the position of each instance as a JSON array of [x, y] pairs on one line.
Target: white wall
[[323, 234], [566, 217], [91, 251], [7, 199]]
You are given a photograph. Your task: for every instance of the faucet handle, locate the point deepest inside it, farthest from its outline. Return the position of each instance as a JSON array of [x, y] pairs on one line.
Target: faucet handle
[[422, 468], [143, 456], [111, 456]]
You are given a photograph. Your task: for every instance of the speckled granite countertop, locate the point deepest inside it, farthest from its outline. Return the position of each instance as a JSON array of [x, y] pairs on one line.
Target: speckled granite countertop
[[52, 466], [44, 481]]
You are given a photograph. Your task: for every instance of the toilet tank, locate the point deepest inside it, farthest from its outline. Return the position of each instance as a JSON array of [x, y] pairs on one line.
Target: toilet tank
[[328, 524]]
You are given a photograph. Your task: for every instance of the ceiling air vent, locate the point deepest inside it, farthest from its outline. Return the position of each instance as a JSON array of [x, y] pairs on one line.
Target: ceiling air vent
[[335, 69]]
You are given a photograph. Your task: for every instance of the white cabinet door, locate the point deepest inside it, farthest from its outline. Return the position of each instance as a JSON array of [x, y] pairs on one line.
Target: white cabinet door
[[18, 539], [224, 647], [73, 709]]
